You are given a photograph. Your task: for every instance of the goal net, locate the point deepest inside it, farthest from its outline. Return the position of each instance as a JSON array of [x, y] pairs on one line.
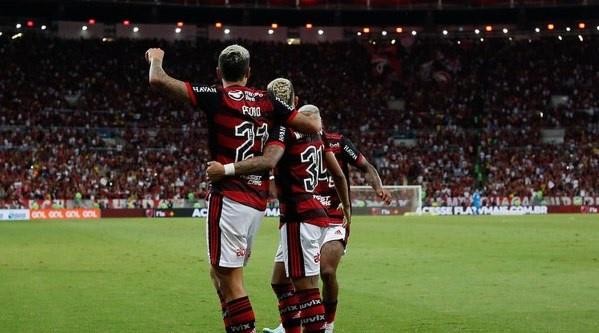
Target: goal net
[[407, 199]]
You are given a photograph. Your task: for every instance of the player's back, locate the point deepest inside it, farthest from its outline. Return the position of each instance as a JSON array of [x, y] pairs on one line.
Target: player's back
[[297, 176], [239, 120]]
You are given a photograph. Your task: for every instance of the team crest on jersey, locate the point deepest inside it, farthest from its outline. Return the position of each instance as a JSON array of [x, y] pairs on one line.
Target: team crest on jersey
[[236, 95]]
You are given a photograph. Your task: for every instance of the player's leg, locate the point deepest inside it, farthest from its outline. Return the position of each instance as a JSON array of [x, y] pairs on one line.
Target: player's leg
[[288, 301], [301, 249], [223, 302], [332, 250], [330, 257], [228, 228]]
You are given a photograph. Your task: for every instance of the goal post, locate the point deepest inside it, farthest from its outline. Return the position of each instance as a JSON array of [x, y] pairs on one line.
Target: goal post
[[406, 199]]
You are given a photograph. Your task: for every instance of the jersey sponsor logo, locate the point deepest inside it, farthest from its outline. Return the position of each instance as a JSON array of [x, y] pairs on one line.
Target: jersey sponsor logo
[[325, 200], [350, 152], [334, 145], [252, 111], [236, 95], [254, 180], [251, 96], [204, 89]]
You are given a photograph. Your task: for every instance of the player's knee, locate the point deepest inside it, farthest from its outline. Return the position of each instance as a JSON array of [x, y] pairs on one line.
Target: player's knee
[[308, 282], [279, 276], [328, 273], [229, 280]]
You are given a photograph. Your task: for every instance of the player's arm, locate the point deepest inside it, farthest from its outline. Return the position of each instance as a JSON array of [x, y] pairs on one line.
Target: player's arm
[[353, 155], [160, 80], [341, 185], [374, 180], [308, 123], [272, 154]]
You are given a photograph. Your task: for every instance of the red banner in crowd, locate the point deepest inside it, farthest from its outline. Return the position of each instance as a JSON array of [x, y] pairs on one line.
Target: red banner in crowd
[[45, 214]]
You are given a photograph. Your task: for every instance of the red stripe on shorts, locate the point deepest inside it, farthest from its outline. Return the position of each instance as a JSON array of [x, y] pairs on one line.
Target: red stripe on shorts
[[294, 251], [214, 233]]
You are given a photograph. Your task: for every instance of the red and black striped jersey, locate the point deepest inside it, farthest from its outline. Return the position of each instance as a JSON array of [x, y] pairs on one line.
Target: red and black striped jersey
[[346, 153], [239, 121], [297, 175]]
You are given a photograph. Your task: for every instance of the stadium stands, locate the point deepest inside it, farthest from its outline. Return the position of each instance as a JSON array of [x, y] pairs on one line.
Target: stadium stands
[[79, 116]]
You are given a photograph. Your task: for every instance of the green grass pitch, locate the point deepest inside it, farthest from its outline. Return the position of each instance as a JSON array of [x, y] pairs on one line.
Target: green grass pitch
[[401, 274]]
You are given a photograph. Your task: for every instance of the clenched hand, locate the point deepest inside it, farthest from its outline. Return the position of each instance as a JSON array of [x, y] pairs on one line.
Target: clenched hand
[[154, 54], [215, 171]]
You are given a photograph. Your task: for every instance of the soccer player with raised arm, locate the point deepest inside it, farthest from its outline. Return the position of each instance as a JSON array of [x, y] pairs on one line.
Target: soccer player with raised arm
[[300, 160], [337, 234], [239, 120]]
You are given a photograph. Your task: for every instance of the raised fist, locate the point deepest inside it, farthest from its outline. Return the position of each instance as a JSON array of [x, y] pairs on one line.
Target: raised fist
[[154, 54]]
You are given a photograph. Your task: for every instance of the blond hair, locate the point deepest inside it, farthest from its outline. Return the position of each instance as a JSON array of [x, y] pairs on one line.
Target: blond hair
[[282, 89]]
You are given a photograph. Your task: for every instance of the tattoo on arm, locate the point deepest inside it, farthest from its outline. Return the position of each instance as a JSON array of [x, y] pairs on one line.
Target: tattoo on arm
[[170, 86], [272, 155], [372, 177]]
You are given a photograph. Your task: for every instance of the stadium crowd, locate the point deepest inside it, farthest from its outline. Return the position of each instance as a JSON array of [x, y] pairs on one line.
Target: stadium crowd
[[79, 116]]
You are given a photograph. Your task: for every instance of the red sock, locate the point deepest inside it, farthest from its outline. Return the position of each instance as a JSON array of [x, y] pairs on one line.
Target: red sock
[[330, 309], [312, 311], [288, 307], [223, 307], [241, 316]]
